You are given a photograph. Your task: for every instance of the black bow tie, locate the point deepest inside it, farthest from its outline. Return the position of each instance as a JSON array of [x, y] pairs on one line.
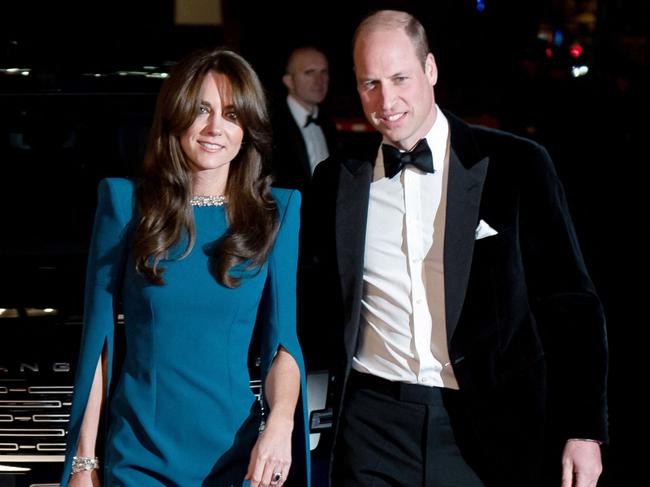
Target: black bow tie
[[311, 119], [394, 160]]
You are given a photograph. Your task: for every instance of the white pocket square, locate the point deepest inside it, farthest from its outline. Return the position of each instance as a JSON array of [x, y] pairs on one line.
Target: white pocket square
[[484, 230]]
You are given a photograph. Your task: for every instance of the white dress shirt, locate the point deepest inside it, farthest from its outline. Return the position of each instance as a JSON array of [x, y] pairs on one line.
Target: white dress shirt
[[312, 134], [403, 333]]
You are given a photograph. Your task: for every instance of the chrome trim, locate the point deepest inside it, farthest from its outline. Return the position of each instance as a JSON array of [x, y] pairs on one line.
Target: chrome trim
[[8, 446], [32, 458], [31, 432], [50, 446], [30, 404], [10, 469], [55, 418], [50, 390]]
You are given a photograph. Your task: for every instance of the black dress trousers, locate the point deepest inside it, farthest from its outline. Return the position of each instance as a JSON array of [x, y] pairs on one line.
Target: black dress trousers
[[396, 434]]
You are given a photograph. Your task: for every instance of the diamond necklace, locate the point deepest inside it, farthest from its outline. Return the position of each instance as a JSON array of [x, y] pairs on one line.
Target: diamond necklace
[[208, 200]]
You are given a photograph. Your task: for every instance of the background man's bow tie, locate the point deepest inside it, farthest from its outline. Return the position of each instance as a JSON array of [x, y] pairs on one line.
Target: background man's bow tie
[[311, 119], [420, 157]]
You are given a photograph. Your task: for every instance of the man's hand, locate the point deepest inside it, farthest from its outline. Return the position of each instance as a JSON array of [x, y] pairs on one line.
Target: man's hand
[[581, 463]]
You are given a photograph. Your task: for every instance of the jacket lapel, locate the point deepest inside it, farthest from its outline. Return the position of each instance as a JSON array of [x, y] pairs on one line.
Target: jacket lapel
[[351, 218], [296, 141], [467, 171]]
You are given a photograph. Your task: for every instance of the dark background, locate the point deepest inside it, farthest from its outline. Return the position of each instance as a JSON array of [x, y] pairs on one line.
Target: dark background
[[493, 68]]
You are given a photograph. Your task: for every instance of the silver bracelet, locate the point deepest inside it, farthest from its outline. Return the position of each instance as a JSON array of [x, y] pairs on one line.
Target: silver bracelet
[[82, 464]]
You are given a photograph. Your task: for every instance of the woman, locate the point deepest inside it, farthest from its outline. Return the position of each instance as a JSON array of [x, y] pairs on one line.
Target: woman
[[197, 250]]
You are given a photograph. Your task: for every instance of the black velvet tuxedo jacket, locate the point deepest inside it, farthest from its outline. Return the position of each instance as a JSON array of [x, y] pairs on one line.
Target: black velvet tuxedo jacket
[[290, 163], [525, 328]]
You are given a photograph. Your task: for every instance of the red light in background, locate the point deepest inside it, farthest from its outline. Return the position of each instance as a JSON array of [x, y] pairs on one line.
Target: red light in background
[[575, 50], [549, 52]]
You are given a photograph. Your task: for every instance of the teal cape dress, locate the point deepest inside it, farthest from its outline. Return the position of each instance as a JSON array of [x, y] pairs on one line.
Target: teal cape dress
[[180, 411]]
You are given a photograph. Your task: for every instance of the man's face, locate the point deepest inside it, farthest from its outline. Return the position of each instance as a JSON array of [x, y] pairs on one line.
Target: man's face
[[396, 91], [308, 77]]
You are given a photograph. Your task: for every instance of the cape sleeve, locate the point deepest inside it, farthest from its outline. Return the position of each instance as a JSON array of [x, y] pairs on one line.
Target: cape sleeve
[[106, 261], [278, 317]]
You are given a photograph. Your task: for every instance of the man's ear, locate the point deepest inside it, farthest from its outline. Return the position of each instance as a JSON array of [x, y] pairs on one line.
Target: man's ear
[[431, 69], [287, 80]]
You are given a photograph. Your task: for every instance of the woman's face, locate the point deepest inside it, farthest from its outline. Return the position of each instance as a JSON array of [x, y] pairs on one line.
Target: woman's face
[[215, 136]]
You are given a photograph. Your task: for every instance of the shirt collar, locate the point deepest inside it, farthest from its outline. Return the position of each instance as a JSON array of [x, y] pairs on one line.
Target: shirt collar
[[298, 111]]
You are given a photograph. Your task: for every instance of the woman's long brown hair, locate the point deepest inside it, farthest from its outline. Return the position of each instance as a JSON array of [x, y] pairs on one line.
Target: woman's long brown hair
[[163, 192]]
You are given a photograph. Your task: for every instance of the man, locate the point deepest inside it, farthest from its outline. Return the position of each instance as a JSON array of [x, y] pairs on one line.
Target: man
[[302, 136], [462, 293]]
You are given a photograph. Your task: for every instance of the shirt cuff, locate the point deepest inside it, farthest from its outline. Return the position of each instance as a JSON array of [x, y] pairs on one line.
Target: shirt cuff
[[586, 439]]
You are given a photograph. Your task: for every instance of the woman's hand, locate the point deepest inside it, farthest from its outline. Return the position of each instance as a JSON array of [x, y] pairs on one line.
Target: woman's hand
[[88, 478], [271, 455]]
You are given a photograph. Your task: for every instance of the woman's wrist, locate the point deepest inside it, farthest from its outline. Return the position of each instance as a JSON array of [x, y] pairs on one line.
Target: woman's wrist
[[86, 448], [278, 418]]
